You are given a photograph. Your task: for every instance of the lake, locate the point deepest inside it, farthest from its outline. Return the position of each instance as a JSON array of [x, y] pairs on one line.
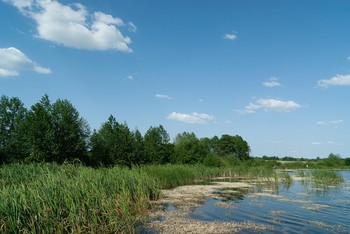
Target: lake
[[299, 207]]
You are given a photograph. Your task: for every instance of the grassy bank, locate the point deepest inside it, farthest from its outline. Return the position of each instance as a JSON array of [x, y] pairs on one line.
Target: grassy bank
[[50, 198]]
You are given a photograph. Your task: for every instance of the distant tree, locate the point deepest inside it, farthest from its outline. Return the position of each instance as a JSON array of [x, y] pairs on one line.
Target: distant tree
[[214, 146], [158, 149], [233, 145], [12, 143], [334, 160], [347, 161], [188, 148], [113, 144]]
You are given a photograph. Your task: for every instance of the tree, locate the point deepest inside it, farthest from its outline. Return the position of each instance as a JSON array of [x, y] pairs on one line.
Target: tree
[[70, 132], [138, 156], [188, 148], [12, 114], [158, 150], [233, 145], [40, 134], [55, 132], [113, 144]]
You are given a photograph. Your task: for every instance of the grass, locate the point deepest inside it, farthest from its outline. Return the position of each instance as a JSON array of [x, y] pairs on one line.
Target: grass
[[50, 198], [47, 198], [327, 176], [321, 175]]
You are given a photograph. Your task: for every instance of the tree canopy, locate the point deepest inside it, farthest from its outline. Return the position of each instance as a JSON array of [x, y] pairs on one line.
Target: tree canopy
[[55, 132]]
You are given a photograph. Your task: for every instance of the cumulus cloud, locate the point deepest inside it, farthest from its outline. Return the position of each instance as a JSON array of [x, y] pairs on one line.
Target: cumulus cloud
[[338, 80], [12, 61], [162, 96], [73, 26], [230, 37], [270, 105], [272, 82], [193, 118]]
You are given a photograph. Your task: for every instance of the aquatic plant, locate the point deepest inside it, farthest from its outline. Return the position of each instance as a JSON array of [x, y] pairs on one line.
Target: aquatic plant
[[47, 198], [327, 176]]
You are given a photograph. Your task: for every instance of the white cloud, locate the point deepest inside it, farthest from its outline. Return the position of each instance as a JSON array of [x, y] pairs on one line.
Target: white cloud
[[272, 82], [73, 26], [338, 80], [230, 36], [327, 143], [12, 61], [332, 122], [270, 105], [162, 96], [334, 143], [130, 77], [193, 118], [20, 4]]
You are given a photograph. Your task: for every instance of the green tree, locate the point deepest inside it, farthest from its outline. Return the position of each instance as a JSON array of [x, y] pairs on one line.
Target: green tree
[[138, 156], [189, 149], [113, 144], [158, 150], [55, 132], [71, 132], [233, 145], [40, 134], [334, 160], [12, 115]]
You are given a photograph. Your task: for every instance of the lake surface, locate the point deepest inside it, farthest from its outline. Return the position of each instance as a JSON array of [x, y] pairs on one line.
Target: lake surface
[[300, 208]]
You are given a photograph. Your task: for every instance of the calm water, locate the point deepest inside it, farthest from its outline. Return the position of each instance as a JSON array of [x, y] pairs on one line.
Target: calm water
[[299, 208]]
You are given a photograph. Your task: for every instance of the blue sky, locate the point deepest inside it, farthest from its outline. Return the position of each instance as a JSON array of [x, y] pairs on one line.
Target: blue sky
[[275, 72]]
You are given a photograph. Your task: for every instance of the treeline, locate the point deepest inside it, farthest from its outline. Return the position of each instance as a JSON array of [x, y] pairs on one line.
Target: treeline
[[55, 132], [331, 161]]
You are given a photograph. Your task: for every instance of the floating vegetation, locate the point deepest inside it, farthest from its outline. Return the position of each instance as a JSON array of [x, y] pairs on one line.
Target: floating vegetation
[[279, 212], [180, 222], [335, 228]]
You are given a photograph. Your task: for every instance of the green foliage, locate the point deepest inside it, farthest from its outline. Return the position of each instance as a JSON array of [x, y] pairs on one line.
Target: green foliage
[[189, 149], [47, 198], [327, 176], [347, 162], [157, 147], [55, 132], [113, 144], [12, 114], [233, 145], [214, 161], [71, 132]]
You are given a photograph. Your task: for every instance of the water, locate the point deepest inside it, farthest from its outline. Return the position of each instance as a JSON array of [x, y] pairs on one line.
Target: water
[[300, 207]]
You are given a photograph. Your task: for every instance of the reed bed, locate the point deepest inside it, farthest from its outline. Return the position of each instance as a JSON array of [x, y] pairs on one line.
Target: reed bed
[[48, 198], [51, 198], [321, 175]]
